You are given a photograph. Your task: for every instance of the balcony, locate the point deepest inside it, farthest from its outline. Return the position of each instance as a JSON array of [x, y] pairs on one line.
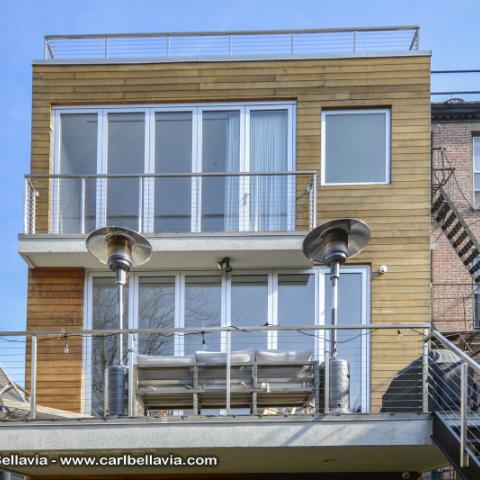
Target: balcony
[[211, 46], [238, 212], [240, 398]]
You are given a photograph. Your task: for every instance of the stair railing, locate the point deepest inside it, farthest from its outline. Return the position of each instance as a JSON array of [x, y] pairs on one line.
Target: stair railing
[[453, 396]]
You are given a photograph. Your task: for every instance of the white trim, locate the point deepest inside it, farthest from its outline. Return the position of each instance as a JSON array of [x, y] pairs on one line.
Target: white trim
[[356, 111]]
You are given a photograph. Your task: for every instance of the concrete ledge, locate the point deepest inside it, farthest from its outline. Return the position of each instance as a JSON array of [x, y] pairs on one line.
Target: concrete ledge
[[368, 443], [175, 251]]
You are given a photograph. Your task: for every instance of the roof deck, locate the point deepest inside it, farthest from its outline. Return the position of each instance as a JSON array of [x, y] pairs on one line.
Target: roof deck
[[231, 46]]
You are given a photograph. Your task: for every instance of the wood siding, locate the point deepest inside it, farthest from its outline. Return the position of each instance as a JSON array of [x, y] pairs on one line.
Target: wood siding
[[55, 301], [398, 213]]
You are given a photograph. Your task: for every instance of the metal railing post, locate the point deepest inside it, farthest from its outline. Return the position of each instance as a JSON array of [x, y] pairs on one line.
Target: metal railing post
[[463, 414], [82, 206], [26, 208], [426, 351], [106, 47], [229, 373], [33, 378], [292, 49], [140, 204], [230, 45], [131, 377], [354, 40]]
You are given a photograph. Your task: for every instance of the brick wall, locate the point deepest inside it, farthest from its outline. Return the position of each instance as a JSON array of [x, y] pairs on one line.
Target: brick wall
[[452, 292]]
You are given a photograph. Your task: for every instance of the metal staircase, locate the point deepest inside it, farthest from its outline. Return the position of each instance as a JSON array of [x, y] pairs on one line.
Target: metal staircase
[[454, 401], [444, 209]]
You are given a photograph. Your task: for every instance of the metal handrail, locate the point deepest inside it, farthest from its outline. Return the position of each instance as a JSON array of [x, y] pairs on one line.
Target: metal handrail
[[292, 42], [451, 346], [235, 32], [172, 175], [261, 328]]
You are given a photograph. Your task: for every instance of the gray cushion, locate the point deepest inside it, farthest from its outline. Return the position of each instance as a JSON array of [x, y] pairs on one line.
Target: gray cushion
[[164, 361], [278, 357], [237, 357]]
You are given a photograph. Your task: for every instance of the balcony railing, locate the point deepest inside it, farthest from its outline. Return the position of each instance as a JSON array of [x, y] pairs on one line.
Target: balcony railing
[[171, 203], [212, 370], [231, 45]]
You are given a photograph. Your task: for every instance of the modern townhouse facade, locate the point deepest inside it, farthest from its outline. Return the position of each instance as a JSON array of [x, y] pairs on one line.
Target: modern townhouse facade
[[224, 150]]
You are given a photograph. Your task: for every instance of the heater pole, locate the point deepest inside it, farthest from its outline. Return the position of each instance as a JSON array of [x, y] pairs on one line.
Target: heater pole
[[334, 276], [120, 280]]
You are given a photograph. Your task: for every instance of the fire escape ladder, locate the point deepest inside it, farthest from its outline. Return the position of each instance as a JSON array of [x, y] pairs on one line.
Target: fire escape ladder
[[457, 231], [448, 216]]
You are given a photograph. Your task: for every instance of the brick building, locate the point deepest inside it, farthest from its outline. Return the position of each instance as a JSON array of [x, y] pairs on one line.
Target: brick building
[[455, 161]]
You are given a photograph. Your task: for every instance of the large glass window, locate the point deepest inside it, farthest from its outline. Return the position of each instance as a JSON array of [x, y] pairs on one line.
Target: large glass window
[[104, 349], [249, 309], [173, 154], [156, 309], [75, 201], [203, 305], [220, 154], [126, 156], [199, 300], [168, 168], [349, 342], [355, 146], [296, 307]]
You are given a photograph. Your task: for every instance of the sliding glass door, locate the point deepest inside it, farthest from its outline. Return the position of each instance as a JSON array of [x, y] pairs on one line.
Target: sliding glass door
[[201, 300], [190, 168]]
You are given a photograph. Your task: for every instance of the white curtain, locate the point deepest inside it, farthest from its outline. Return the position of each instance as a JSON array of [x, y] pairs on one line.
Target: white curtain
[[231, 218], [268, 153]]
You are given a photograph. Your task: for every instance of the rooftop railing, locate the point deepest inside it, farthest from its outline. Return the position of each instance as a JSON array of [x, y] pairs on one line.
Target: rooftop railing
[[231, 45]]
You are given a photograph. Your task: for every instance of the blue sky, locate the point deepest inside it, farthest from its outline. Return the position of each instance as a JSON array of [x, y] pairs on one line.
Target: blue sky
[[449, 28]]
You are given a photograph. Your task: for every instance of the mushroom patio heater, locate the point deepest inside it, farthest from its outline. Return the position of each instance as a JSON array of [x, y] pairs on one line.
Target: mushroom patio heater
[[121, 249], [332, 243]]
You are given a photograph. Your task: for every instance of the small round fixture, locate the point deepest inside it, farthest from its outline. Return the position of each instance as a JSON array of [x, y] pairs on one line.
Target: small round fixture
[[119, 248], [224, 265], [337, 240], [382, 269]]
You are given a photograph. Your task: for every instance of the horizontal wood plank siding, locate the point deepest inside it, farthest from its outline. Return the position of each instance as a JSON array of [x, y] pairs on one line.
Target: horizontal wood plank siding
[[398, 213], [55, 301]]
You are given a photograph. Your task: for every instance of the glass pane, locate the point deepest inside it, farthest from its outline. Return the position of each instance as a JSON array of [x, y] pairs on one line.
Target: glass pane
[[220, 153], [173, 154], [349, 342], [476, 181], [203, 298], [249, 309], [156, 309], [296, 307], [104, 349], [476, 153], [355, 145], [126, 155], [78, 156], [477, 199], [269, 153]]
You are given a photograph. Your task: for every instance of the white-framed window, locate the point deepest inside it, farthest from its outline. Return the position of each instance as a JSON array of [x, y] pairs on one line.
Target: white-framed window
[[242, 298], [355, 146], [182, 140], [476, 170]]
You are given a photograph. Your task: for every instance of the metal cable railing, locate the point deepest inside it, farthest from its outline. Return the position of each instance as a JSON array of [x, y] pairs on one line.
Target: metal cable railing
[[454, 395], [212, 370], [172, 202], [232, 45]]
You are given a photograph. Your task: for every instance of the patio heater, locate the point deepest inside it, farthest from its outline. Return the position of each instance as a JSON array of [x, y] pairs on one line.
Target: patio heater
[[121, 249], [332, 243]]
